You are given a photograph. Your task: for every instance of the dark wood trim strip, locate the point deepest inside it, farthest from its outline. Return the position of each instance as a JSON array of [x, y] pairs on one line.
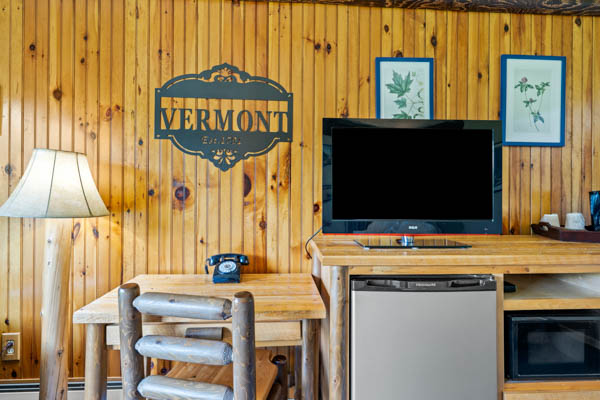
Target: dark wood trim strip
[[574, 7]]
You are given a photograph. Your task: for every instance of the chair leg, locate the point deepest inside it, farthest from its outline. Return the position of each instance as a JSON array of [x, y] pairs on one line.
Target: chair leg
[[282, 374], [276, 393], [130, 327], [298, 373], [244, 364]]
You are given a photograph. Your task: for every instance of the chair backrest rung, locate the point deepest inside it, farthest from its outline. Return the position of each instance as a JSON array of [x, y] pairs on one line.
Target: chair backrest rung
[[183, 306], [204, 333], [162, 388], [198, 351]]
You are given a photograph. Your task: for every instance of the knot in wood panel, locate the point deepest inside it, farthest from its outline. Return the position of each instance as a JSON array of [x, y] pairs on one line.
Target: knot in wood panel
[[247, 185], [75, 232], [57, 94]]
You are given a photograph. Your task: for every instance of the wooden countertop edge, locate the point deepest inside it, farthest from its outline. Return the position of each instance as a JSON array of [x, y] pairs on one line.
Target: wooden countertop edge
[[111, 319], [554, 386]]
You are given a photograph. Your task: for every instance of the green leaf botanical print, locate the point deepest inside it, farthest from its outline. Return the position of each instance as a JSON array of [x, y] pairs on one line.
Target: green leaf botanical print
[[533, 105], [410, 105]]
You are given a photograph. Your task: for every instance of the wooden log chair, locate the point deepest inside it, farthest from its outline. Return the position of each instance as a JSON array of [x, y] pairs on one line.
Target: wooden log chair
[[206, 369]]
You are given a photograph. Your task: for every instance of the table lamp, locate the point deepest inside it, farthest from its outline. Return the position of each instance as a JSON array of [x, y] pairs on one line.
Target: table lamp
[[56, 185]]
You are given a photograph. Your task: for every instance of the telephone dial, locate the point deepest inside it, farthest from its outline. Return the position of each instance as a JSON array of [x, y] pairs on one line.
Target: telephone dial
[[227, 267]]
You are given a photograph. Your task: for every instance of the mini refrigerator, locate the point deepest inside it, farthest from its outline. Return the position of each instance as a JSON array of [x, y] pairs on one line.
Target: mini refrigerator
[[423, 338]]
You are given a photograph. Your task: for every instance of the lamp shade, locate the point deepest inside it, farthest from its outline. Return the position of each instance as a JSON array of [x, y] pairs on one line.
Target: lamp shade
[[56, 184]]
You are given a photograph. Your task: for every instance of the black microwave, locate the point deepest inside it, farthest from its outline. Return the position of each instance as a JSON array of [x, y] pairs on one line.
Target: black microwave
[[550, 345]]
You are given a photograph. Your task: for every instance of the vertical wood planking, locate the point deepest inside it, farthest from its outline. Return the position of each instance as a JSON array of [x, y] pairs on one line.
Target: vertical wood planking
[[16, 162], [576, 114], [90, 37], [375, 49], [129, 139], [556, 196], [309, 55], [41, 140], [536, 153], [596, 106], [514, 177], [451, 65], [165, 192], [366, 82], [249, 184], [472, 65], [237, 173], [154, 81], [225, 177], [260, 183], [354, 58], [87, 84], [431, 29], [212, 184], [462, 65], [525, 157], [115, 116], [298, 43], [141, 137], [190, 182], [285, 150], [566, 164], [177, 178], [586, 123], [272, 179], [546, 162], [4, 160], [103, 139], [79, 145], [386, 33], [202, 54], [66, 97], [504, 48], [28, 241], [439, 42]]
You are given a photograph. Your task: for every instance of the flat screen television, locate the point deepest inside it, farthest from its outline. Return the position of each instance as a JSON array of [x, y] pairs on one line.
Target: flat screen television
[[410, 177]]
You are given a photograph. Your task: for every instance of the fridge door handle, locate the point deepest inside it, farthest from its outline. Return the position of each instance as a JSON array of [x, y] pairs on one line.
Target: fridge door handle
[[465, 283]]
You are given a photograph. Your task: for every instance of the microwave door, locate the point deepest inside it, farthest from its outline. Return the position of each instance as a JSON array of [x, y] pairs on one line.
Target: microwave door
[[549, 348]]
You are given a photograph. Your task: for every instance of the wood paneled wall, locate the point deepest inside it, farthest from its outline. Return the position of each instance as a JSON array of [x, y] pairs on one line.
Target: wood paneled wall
[[80, 75]]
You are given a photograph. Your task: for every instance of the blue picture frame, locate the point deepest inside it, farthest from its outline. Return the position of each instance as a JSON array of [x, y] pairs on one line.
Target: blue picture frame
[[521, 97], [383, 99]]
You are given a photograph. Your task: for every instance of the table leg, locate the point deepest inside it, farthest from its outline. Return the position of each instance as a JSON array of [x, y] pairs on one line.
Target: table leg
[[95, 362], [338, 334], [310, 355], [298, 356]]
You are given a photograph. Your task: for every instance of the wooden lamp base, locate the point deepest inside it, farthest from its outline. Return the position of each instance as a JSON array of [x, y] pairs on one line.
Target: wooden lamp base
[[54, 371]]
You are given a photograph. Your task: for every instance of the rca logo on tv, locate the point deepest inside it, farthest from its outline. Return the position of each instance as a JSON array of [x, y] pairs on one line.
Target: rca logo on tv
[[223, 114]]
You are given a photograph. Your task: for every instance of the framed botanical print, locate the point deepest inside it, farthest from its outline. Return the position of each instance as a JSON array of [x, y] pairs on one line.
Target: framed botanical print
[[533, 100], [404, 88]]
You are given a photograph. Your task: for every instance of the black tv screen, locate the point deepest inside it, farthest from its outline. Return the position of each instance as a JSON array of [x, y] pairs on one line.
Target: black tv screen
[[411, 177]]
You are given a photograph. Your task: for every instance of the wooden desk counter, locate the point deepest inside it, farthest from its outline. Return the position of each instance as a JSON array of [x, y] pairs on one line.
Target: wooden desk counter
[[488, 255], [286, 309], [336, 257]]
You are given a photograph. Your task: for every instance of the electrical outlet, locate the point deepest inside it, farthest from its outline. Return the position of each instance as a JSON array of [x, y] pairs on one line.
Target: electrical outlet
[[11, 346]]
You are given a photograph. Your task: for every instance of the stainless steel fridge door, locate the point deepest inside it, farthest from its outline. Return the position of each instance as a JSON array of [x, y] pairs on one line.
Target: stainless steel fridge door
[[423, 345]]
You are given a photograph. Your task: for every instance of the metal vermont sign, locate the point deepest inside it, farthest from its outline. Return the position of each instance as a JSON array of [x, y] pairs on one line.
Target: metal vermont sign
[[187, 111]]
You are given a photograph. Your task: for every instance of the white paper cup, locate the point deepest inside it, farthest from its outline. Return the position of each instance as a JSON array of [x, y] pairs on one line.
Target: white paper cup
[[552, 219], [575, 221]]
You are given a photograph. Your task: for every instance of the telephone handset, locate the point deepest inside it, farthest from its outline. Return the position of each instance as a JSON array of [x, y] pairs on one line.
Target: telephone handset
[[227, 267]]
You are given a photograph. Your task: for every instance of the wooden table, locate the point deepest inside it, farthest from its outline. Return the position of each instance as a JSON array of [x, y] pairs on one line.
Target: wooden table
[[336, 258], [287, 307]]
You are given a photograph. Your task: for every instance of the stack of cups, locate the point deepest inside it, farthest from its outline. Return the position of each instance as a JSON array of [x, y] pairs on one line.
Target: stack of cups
[[573, 221]]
